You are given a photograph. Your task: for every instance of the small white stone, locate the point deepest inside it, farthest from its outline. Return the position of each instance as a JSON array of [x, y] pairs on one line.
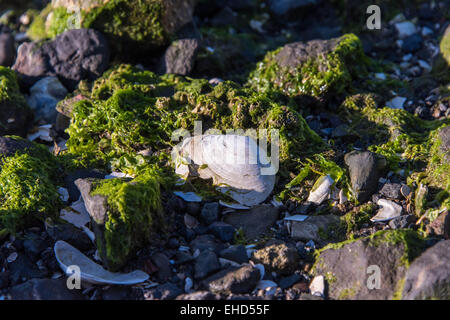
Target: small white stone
[[407, 57], [424, 65], [317, 286], [396, 103], [380, 76], [426, 31], [405, 29], [321, 189]]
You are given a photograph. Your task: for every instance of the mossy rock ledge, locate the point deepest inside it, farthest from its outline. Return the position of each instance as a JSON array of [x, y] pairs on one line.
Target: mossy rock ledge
[[345, 265], [125, 213]]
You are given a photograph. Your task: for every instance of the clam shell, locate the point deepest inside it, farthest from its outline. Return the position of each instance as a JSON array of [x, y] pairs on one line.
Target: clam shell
[[389, 210], [67, 256], [235, 163]]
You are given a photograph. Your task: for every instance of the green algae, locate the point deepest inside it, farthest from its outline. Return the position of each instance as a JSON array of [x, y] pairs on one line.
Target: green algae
[[28, 192], [131, 110], [134, 215]]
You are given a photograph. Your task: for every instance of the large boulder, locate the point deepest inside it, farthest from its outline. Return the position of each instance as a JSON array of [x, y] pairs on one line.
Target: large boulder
[[428, 277], [72, 56], [353, 268]]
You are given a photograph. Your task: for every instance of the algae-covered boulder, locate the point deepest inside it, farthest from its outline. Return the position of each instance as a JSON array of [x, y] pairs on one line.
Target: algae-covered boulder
[[354, 268], [125, 214], [316, 68], [15, 114], [28, 193], [144, 25], [131, 110]]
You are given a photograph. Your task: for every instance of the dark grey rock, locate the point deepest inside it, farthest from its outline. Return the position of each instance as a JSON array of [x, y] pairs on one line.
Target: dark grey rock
[[210, 212], [161, 261], [391, 191], [117, 293], [180, 57], [72, 56], [7, 49], [225, 17], [10, 145], [412, 43], [206, 242], [234, 280], [70, 234], [69, 180], [278, 258], [223, 231], [4, 280], [23, 269], [289, 281], [235, 253], [428, 277], [402, 222], [288, 7], [199, 295], [365, 168], [312, 227], [45, 289], [33, 246], [205, 264], [256, 222], [166, 291]]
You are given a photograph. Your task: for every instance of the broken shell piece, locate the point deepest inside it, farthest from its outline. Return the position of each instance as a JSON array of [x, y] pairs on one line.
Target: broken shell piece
[[266, 284], [42, 132], [342, 197], [320, 190], [235, 163], [77, 215], [188, 196], [389, 210], [297, 217], [68, 256], [317, 286], [233, 205]]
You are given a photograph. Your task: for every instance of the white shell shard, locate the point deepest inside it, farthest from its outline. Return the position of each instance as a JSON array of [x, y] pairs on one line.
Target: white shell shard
[[389, 210], [235, 163], [266, 284], [188, 196], [317, 286], [77, 215], [321, 189], [233, 205], [67, 256], [297, 217]]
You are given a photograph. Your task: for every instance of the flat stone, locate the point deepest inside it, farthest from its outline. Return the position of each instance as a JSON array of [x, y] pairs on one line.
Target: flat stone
[[234, 280], [45, 289], [279, 258], [236, 253], [205, 264], [310, 228]]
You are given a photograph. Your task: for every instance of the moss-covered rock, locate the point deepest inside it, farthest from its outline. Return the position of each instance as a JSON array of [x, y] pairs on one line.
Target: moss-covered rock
[[316, 68], [28, 191], [345, 265], [132, 110], [125, 214], [441, 66], [145, 25], [15, 114]]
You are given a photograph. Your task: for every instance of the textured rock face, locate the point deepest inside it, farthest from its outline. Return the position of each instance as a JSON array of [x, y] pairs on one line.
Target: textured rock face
[[44, 289], [311, 227], [9, 145], [352, 267], [7, 49], [234, 280], [428, 277], [180, 57], [72, 56], [365, 170], [278, 258]]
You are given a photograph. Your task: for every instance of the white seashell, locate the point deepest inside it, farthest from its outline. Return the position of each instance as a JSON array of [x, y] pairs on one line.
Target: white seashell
[[67, 256], [317, 286], [389, 210], [321, 189], [235, 163], [188, 196], [43, 133]]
